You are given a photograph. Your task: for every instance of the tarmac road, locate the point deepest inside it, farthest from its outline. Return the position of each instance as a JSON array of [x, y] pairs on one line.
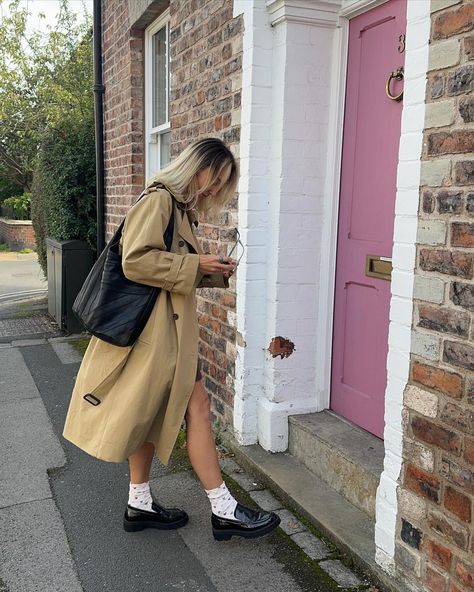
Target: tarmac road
[[20, 273]]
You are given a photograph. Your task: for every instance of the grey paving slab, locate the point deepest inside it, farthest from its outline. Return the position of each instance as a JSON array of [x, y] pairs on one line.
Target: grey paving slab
[[34, 550], [289, 523], [266, 500], [23, 342], [29, 447], [66, 352], [238, 565], [91, 496], [229, 465], [311, 545], [246, 481], [339, 572], [15, 380]]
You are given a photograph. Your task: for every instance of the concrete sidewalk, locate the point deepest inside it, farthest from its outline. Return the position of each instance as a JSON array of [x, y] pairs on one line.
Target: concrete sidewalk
[[62, 532]]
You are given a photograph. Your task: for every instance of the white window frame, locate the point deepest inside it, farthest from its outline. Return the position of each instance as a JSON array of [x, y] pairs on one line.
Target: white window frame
[[153, 135]]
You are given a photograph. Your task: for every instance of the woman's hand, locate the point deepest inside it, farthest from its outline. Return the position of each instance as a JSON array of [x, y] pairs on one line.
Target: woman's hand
[[217, 264]]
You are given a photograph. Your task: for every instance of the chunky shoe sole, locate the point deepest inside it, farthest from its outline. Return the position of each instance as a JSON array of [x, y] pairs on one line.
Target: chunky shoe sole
[[225, 535], [131, 526]]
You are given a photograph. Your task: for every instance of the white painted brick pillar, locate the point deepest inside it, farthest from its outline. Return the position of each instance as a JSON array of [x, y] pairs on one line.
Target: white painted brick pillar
[[286, 92], [403, 285]]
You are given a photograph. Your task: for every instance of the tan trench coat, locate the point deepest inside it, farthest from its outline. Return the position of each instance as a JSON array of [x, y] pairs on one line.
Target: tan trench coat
[[144, 389]]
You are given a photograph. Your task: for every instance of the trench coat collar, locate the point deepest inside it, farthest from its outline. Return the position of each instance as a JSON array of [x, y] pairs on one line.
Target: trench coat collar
[[188, 217]]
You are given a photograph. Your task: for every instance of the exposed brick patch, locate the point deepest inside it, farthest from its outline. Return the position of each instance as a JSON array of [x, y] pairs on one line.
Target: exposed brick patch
[[456, 21], [423, 483], [459, 354], [457, 142], [429, 432], [444, 320], [462, 295], [449, 529], [410, 534], [447, 262], [439, 554], [449, 383], [462, 233], [457, 503]]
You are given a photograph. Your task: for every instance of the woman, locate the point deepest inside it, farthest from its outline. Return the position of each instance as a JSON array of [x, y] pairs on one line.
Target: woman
[[129, 402]]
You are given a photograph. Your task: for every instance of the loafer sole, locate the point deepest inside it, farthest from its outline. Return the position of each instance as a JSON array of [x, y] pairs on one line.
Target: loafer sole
[[131, 526], [225, 535]]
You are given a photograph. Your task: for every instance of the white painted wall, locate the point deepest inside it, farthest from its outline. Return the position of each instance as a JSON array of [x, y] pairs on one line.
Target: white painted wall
[[286, 96]]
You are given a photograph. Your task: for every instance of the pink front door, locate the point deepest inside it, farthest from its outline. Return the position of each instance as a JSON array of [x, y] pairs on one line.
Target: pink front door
[[366, 215]]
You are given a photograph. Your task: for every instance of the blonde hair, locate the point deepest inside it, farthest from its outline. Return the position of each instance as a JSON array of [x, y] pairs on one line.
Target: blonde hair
[[180, 176]]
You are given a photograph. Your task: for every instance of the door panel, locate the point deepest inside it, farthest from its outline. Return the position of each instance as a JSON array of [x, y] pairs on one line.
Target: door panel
[[366, 215]]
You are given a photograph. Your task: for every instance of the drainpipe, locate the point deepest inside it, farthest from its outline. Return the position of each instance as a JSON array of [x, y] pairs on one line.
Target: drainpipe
[[99, 90]]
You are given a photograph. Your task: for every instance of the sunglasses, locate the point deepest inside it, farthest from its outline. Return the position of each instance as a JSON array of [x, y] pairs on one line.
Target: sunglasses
[[237, 250]]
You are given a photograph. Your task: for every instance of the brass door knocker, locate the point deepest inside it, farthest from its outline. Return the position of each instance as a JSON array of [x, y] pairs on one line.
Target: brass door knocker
[[395, 75]]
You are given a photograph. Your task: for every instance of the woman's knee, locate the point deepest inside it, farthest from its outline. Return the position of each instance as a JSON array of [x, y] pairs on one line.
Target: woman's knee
[[199, 405]]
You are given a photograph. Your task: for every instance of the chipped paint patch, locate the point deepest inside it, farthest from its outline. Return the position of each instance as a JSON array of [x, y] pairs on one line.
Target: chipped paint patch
[[280, 346]]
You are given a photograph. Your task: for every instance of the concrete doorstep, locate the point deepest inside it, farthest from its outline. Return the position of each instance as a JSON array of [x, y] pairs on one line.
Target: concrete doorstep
[[349, 528]]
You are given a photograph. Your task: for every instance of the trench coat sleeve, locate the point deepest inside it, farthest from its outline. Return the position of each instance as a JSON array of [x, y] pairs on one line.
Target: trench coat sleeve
[[213, 280], [144, 256]]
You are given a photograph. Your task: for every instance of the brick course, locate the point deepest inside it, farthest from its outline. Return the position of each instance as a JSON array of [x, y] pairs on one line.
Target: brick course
[[206, 63], [447, 367], [17, 234]]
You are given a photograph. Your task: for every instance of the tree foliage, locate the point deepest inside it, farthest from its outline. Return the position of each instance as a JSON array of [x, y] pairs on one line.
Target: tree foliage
[[45, 78]]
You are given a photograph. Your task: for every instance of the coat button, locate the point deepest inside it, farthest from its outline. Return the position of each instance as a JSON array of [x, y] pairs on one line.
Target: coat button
[[175, 316], [181, 243]]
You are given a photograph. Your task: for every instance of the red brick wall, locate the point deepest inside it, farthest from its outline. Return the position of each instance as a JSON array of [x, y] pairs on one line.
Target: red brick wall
[[17, 236], [206, 64], [436, 541], [123, 110]]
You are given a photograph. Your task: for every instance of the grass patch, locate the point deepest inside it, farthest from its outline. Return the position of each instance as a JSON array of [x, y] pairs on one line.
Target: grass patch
[[81, 344], [26, 251], [4, 248]]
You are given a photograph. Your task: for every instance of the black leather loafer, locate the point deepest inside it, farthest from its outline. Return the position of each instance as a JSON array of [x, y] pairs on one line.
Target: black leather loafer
[[162, 518], [246, 523]]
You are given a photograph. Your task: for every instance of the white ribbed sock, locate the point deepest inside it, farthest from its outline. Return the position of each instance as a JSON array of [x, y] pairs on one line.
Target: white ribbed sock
[[223, 504], [139, 496]]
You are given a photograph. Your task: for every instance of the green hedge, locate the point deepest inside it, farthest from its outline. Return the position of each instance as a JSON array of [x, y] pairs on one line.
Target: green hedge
[[63, 204]]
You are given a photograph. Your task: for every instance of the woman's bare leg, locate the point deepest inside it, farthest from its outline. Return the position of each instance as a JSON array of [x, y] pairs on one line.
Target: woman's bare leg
[[200, 439], [140, 463]]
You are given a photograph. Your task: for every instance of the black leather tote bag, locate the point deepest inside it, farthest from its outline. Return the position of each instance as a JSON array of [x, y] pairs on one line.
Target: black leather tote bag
[[109, 305]]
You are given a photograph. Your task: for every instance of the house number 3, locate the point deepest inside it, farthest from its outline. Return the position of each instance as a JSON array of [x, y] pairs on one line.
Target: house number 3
[[401, 46]]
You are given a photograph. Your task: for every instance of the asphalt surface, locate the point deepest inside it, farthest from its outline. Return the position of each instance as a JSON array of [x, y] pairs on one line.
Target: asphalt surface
[[20, 275], [61, 510], [90, 497]]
